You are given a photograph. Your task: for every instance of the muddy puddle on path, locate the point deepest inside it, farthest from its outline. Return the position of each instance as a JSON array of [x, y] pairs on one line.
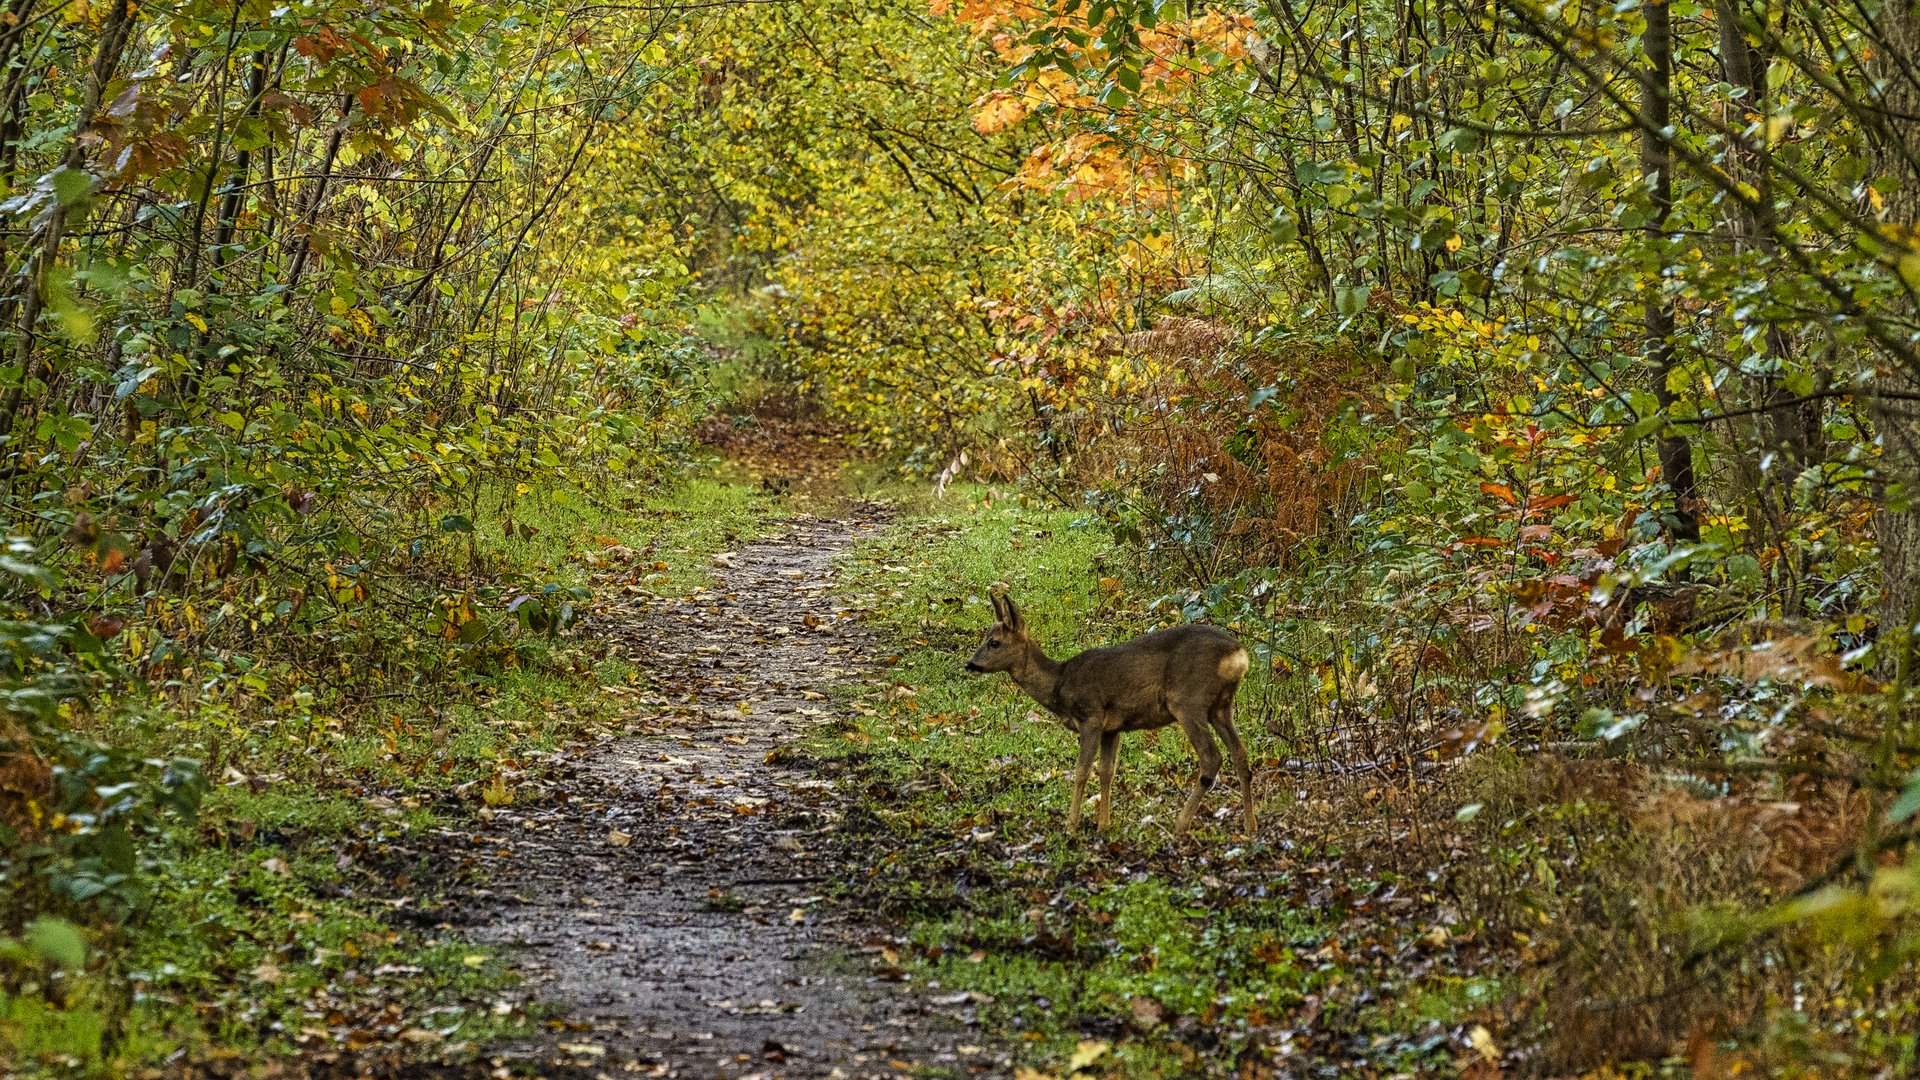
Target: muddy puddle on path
[[671, 905]]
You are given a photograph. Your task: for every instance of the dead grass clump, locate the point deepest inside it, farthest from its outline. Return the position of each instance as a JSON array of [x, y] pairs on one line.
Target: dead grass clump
[[1800, 836], [1174, 337], [1623, 896], [1238, 484]]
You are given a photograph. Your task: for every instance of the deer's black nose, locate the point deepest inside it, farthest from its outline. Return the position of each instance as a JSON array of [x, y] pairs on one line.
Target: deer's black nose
[[971, 666]]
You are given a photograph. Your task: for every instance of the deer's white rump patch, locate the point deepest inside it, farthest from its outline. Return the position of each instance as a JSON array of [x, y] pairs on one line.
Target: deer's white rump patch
[[1233, 668]]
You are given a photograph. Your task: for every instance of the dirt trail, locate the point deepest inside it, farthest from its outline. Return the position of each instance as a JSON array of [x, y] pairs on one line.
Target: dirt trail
[[672, 905]]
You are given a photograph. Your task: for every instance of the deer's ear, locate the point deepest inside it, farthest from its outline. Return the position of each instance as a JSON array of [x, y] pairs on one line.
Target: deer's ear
[[1015, 621], [999, 609]]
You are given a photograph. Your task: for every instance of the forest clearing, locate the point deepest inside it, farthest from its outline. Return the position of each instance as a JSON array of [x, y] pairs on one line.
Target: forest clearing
[[549, 540]]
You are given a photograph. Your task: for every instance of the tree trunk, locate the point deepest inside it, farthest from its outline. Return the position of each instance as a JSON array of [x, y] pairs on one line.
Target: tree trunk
[[33, 277], [1897, 527], [1792, 426], [1656, 166]]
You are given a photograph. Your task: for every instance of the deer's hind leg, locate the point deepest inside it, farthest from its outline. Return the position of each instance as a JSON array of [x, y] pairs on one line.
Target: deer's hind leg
[[1222, 720], [1193, 721]]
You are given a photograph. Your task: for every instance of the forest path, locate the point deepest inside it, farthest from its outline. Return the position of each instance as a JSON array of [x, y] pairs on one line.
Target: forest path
[[672, 903]]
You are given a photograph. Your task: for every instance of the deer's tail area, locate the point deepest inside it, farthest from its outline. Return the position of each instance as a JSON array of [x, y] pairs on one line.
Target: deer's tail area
[[1233, 666]]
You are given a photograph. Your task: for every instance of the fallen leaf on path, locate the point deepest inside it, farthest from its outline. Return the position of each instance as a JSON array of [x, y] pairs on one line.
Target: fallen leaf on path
[[618, 838], [496, 792]]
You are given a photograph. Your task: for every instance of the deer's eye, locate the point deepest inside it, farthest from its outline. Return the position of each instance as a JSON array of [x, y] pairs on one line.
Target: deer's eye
[[993, 643]]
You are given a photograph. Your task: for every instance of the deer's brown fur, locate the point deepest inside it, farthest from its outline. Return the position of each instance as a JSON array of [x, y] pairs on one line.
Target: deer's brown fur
[[1186, 676]]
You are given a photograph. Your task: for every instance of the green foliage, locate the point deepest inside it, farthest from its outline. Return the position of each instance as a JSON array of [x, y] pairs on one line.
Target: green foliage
[[1505, 375]]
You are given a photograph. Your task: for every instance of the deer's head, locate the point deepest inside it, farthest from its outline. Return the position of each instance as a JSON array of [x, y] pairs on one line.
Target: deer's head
[[1006, 642]]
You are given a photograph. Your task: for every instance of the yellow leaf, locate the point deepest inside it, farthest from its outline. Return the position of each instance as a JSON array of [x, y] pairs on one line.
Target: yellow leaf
[[1482, 1042], [1909, 266], [1088, 1052], [496, 793]]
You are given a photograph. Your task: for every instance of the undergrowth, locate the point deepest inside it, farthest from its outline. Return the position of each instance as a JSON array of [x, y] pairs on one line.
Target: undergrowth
[[1530, 901], [297, 902]]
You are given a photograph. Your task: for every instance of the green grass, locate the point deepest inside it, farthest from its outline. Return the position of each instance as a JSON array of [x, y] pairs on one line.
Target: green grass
[[271, 926], [283, 936], [566, 535]]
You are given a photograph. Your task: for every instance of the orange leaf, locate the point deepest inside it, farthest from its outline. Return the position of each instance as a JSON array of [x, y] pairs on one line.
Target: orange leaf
[[1482, 541], [1501, 492], [1552, 502]]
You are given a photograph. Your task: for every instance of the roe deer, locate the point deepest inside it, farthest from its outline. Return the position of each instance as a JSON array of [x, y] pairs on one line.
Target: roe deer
[[1186, 675]]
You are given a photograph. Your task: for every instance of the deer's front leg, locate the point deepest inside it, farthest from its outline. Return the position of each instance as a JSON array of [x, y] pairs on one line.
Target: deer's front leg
[[1089, 748], [1109, 758]]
